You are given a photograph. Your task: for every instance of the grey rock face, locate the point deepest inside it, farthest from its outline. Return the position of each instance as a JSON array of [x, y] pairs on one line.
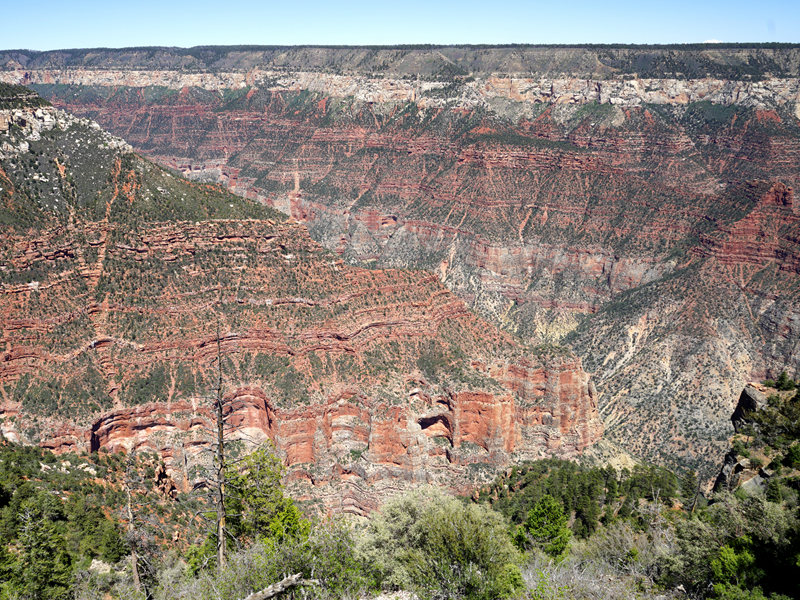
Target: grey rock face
[[750, 400]]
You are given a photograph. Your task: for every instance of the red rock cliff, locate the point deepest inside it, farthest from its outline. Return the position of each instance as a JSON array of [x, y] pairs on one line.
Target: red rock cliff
[[608, 210], [366, 381]]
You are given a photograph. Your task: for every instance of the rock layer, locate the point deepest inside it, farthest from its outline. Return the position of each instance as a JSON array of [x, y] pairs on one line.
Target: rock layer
[[636, 203], [121, 286]]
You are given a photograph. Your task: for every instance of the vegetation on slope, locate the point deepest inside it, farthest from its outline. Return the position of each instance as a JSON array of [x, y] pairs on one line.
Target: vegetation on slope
[[655, 528], [730, 60], [61, 514], [592, 496], [530, 534], [18, 96]]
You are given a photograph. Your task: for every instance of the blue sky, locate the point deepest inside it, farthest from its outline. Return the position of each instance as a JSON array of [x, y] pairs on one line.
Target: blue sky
[[47, 24]]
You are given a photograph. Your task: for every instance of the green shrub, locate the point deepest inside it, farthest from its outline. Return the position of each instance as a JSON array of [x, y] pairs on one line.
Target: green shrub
[[792, 458], [739, 449], [440, 547], [325, 555], [784, 383], [258, 507]]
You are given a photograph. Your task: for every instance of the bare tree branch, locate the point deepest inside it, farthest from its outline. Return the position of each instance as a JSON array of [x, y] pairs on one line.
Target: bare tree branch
[[281, 586]]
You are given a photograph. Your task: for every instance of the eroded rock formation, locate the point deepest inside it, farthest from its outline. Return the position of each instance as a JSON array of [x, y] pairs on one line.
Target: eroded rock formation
[[118, 281], [636, 204]]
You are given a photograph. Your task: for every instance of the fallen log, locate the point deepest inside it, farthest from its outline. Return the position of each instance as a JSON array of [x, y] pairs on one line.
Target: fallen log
[[281, 586]]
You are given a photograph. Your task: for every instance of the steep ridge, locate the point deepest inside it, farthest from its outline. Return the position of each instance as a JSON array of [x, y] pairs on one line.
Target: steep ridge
[[729, 311], [636, 203], [118, 281]]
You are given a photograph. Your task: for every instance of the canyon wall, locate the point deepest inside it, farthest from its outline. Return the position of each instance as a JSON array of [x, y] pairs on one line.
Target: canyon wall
[[634, 204], [124, 288]]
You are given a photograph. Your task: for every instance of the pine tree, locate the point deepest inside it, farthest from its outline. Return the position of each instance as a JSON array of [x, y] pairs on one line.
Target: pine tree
[[546, 527], [44, 570]]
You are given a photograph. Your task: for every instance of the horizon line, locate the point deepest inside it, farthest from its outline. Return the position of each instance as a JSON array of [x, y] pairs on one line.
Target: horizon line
[[421, 46]]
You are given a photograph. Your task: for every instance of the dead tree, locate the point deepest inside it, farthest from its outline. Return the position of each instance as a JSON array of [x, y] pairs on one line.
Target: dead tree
[[137, 579], [225, 457], [219, 477], [220, 483], [281, 586], [137, 536]]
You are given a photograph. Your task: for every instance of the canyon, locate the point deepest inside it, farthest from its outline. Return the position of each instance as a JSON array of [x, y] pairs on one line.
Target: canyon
[[125, 290], [635, 205]]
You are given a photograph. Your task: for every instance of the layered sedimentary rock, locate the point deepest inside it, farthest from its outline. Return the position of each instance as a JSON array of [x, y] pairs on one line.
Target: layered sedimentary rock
[[125, 291], [486, 91], [349, 451], [634, 203]]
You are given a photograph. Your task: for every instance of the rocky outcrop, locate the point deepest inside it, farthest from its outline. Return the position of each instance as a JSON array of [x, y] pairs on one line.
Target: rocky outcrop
[[29, 123], [752, 398], [483, 92], [350, 448], [738, 473], [764, 443], [737, 470]]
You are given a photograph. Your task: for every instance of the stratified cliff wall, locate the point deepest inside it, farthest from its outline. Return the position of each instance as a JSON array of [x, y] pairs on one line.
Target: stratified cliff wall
[[634, 203], [122, 286]]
